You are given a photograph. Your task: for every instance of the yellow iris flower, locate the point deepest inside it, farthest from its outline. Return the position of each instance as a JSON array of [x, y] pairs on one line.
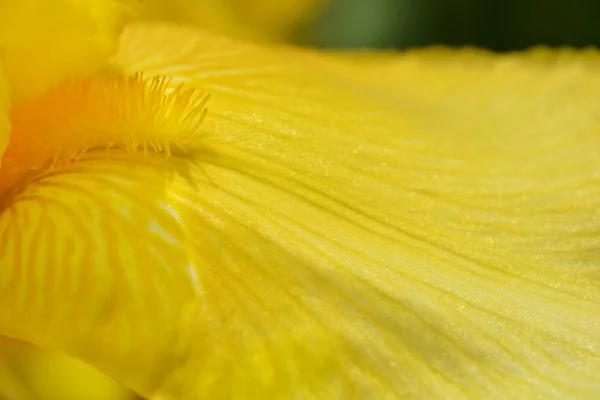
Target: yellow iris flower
[[202, 217]]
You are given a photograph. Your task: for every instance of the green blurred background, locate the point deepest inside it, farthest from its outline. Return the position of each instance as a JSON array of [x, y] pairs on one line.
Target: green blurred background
[[500, 25]]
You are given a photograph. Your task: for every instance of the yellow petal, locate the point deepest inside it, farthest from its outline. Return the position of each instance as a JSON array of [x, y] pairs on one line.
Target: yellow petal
[[53, 376], [323, 234], [43, 42], [4, 105], [256, 19], [28, 373]]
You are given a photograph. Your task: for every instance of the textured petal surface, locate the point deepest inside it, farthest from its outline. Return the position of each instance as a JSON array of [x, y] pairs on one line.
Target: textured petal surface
[[256, 19], [45, 41], [423, 226]]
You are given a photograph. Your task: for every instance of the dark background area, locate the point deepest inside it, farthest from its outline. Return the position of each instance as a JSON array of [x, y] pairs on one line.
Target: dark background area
[[501, 25]]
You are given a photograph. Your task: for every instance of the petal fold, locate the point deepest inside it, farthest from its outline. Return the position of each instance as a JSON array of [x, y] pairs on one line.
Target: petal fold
[[44, 42], [29, 373]]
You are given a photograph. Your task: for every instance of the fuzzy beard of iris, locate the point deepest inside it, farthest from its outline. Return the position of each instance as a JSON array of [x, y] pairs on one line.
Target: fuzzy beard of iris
[[108, 114]]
